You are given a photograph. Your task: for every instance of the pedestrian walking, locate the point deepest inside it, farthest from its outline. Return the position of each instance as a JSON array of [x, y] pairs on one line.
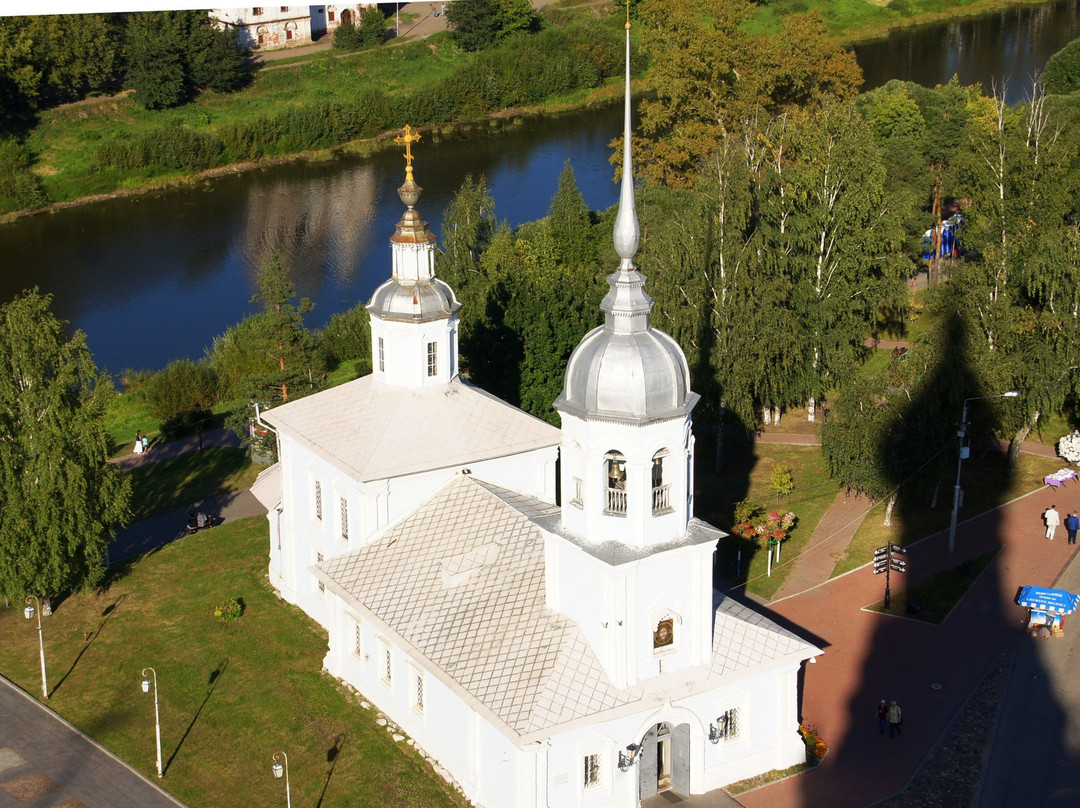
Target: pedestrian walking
[[139, 447], [896, 718], [1052, 519], [882, 717], [1072, 524]]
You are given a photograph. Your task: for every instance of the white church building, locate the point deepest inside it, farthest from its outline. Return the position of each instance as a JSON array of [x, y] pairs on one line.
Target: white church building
[[548, 642]]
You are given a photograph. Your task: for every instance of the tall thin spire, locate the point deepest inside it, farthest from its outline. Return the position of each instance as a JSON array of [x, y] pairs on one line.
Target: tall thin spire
[[627, 233]]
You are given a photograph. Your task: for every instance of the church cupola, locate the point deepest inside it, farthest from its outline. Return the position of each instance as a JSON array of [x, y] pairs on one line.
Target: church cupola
[[414, 314], [625, 408]]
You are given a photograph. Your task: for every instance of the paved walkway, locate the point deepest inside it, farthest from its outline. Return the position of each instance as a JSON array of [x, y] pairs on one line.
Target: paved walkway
[[930, 670], [45, 762], [1034, 757]]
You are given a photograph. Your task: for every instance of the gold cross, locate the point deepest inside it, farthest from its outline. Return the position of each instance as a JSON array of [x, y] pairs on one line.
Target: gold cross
[[408, 139]]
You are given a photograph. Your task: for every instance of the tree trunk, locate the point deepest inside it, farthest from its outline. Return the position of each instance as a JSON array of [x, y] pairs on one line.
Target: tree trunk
[[811, 410], [889, 507], [766, 416], [1017, 441]]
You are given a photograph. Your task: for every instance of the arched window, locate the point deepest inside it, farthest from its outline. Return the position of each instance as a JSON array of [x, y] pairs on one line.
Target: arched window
[[661, 500], [615, 476], [261, 31]]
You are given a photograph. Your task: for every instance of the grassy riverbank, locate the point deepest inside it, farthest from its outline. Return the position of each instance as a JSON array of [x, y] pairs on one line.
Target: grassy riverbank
[[859, 21], [329, 102]]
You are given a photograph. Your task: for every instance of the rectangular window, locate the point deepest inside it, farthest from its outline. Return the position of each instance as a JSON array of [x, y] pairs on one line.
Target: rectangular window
[[592, 771], [318, 500], [288, 33], [257, 11], [319, 560], [331, 13], [284, 8], [344, 519], [432, 359], [382, 356], [358, 645], [387, 665], [418, 692], [578, 488], [728, 724]]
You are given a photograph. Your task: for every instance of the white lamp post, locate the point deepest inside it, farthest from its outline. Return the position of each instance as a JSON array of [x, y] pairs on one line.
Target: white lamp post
[[157, 716], [961, 432], [30, 611], [278, 769]]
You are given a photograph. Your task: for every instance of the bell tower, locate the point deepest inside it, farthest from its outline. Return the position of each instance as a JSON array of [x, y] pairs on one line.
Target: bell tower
[[414, 322], [629, 563]]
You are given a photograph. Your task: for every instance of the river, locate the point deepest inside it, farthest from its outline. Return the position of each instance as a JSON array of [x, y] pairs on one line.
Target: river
[[154, 277]]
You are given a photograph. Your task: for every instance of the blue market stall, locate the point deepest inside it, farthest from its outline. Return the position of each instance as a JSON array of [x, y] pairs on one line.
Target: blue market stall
[[1047, 609]]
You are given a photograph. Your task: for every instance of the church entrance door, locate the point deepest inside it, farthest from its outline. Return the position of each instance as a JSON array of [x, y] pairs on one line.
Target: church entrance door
[[665, 761]]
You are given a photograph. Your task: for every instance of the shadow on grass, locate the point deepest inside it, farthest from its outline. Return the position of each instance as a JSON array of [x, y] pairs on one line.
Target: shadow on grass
[[331, 758], [174, 483], [215, 676], [106, 613]]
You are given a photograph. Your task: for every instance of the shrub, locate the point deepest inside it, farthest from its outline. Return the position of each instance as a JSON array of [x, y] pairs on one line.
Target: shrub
[[20, 188], [181, 386], [230, 611], [1062, 73], [347, 37], [180, 424], [170, 146], [347, 337], [372, 28]]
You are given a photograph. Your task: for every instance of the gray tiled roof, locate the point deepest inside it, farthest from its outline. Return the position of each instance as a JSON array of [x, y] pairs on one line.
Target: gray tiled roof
[[461, 580], [374, 431]]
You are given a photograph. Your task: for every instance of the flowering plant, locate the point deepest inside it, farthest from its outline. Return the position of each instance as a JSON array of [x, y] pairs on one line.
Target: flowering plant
[[754, 524], [230, 611]]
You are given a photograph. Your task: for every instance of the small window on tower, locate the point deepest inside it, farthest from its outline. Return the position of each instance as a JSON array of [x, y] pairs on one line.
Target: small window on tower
[[432, 359], [319, 560], [318, 500], [382, 356], [344, 519], [664, 635]]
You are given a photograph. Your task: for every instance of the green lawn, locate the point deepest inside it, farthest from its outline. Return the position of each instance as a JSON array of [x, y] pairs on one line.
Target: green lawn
[[231, 695], [746, 476]]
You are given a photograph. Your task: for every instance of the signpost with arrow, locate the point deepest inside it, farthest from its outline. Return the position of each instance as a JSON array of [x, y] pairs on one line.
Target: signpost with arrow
[[888, 560]]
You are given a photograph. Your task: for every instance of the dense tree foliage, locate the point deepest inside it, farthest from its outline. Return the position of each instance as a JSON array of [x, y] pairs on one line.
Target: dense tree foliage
[[1062, 72], [269, 357], [62, 499], [165, 56], [173, 54], [710, 77], [479, 24], [528, 296]]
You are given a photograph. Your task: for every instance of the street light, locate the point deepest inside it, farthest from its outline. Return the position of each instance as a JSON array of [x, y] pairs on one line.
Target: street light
[[30, 611], [157, 717], [961, 432], [278, 769]]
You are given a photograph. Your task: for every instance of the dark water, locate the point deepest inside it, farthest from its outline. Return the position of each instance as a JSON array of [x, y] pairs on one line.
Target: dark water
[[1010, 47], [157, 277]]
